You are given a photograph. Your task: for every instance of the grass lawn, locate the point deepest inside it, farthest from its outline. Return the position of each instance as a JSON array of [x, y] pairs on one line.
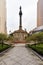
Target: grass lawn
[[38, 48], [5, 46]]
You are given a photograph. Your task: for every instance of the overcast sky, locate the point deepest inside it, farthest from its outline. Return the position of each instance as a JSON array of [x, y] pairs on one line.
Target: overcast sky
[[29, 17]]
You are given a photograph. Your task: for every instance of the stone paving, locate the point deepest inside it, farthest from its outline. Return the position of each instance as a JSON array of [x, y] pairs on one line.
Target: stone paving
[[20, 55]]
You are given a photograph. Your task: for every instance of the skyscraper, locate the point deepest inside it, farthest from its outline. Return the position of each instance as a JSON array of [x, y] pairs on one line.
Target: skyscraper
[[40, 13], [3, 16]]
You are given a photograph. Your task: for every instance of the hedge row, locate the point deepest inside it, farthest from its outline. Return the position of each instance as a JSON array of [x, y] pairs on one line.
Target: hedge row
[[38, 48], [5, 46]]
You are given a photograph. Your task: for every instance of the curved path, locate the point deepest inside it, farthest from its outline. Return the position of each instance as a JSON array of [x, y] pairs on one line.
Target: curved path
[[20, 55]]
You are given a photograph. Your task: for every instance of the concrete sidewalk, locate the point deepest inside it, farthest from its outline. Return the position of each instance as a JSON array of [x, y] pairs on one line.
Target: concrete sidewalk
[[19, 55]]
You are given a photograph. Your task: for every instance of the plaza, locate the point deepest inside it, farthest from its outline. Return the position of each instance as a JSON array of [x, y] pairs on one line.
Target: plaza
[[20, 55]]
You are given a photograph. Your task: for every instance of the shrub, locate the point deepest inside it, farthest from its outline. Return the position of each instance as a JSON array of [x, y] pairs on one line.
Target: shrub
[[3, 37], [37, 37]]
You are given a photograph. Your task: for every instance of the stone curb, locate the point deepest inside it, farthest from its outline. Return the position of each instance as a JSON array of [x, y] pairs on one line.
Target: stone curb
[[5, 51], [41, 57], [37, 54]]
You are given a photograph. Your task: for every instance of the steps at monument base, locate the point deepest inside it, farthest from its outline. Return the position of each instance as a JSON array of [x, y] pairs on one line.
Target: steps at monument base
[[19, 45], [20, 41]]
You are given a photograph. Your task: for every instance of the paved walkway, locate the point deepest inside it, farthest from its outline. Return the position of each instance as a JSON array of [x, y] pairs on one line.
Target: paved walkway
[[20, 55]]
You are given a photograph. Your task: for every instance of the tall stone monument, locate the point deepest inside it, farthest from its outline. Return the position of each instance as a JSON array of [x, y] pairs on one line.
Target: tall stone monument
[[20, 14], [20, 34]]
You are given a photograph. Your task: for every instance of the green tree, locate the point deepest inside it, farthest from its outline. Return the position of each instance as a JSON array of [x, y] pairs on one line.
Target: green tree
[[3, 37], [11, 38], [37, 37]]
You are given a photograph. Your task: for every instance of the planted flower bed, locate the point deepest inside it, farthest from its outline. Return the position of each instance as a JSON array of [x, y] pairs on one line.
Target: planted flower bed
[[38, 48], [4, 47]]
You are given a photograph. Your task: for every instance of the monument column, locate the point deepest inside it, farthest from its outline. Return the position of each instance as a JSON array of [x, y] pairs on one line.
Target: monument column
[[20, 14]]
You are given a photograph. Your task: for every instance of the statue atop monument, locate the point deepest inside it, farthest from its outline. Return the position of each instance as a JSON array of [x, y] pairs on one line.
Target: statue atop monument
[[20, 14]]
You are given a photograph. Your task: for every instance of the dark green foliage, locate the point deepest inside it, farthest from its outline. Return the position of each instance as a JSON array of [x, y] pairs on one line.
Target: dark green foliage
[[38, 48], [37, 37], [11, 38], [5, 46], [3, 37]]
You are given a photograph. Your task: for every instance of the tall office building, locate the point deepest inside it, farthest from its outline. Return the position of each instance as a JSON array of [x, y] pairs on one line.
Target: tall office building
[[3, 16], [40, 13]]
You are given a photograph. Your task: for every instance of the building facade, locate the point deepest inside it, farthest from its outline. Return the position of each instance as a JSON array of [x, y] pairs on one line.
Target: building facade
[[3, 16], [40, 13]]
